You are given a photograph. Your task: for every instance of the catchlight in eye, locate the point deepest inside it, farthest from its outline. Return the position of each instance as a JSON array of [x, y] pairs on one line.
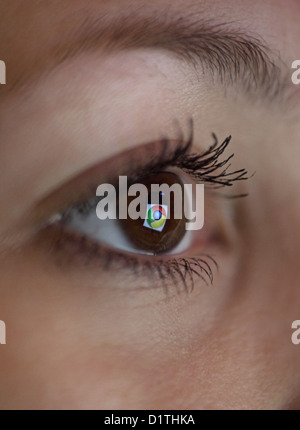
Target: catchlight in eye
[[156, 217]]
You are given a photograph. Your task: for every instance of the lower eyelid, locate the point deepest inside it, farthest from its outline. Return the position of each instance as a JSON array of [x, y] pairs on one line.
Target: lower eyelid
[[77, 252]]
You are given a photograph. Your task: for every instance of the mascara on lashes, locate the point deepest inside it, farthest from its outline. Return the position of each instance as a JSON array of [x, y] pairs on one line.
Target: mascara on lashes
[[205, 167]]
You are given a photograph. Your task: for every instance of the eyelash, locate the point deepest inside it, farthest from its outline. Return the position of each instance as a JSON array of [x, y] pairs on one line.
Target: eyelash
[[181, 271], [206, 168]]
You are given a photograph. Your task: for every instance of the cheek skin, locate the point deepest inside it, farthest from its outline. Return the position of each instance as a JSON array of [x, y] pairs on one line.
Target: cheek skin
[[69, 349], [89, 347]]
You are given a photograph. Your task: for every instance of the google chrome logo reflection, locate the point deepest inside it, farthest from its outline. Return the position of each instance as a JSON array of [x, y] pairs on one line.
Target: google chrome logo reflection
[[156, 217]]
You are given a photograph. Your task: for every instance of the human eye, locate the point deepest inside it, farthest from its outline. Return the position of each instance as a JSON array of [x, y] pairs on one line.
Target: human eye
[[157, 246]]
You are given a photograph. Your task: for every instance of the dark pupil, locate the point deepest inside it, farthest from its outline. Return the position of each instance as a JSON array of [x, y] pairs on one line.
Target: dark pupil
[[156, 240]]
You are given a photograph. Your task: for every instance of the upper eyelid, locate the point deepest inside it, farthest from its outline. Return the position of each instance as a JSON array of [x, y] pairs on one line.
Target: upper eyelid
[[170, 151], [175, 152], [206, 166], [133, 163]]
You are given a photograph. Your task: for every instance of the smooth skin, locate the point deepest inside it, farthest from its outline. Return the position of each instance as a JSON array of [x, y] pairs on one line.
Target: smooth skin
[[77, 336]]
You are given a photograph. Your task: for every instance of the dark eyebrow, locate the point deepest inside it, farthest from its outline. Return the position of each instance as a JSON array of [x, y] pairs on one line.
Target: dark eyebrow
[[228, 55]]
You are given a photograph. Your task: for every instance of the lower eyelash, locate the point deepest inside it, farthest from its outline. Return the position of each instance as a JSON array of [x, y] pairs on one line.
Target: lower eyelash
[[178, 272], [185, 270]]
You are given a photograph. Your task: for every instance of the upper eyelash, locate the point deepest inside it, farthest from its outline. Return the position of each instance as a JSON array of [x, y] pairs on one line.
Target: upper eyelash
[[206, 167], [203, 167]]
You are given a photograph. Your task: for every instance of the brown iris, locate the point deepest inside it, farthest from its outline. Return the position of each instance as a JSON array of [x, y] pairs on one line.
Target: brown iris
[[157, 240]]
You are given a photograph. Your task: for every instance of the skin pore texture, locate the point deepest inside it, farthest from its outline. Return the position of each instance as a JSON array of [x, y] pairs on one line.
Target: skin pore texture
[[81, 336]]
